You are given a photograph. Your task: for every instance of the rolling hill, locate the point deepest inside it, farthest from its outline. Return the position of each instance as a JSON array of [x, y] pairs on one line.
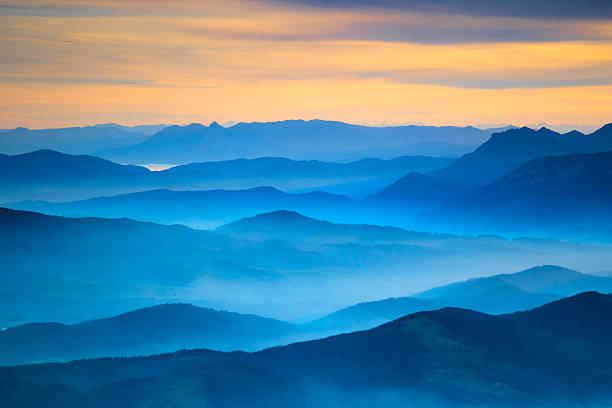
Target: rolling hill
[[74, 269], [154, 330], [292, 226], [171, 327], [557, 355], [497, 294], [198, 209], [58, 176], [65, 269], [50, 175]]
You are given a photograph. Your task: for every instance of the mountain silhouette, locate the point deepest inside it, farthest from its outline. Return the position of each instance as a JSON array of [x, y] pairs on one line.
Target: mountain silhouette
[[170, 327], [67, 269], [505, 151], [417, 192], [555, 355], [292, 226], [497, 294], [295, 139], [557, 196], [60, 176], [50, 175], [48, 166], [162, 328], [200, 209], [73, 140], [74, 269]]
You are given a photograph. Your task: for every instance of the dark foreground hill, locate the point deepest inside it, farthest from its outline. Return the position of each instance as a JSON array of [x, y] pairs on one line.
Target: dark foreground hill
[[555, 356], [170, 327]]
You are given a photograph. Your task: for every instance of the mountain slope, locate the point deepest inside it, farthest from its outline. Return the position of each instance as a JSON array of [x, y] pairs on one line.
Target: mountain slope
[[445, 358], [73, 140], [64, 269], [47, 174], [567, 195], [504, 293], [505, 151], [57, 175], [555, 279], [418, 192], [292, 226], [171, 327], [153, 330], [271, 167], [70, 270], [295, 139], [51, 167], [197, 208]]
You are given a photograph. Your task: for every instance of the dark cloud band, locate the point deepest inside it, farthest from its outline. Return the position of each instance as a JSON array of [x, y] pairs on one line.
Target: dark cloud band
[[561, 9]]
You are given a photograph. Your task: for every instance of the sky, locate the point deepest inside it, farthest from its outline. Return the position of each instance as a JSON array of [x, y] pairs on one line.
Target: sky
[[437, 62]]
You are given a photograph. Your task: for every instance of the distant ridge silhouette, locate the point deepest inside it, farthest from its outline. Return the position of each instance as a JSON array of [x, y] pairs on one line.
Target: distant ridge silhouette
[[507, 150], [296, 139]]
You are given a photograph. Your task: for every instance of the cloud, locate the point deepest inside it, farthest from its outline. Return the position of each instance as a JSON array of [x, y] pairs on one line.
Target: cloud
[[403, 28], [556, 9], [585, 76], [77, 80], [57, 10]]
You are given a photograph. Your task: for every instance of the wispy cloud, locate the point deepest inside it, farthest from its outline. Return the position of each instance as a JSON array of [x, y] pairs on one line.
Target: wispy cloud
[[595, 9], [77, 80], [58, 10]]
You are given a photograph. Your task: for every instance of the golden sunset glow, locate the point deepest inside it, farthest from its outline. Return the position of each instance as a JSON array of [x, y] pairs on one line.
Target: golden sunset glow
[[142, 62]]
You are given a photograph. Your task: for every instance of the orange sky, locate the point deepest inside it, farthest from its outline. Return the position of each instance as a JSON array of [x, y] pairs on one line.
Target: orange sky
[[137, 62]]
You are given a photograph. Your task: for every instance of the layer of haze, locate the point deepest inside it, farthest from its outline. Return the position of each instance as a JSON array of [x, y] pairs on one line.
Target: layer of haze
[[64, 63]]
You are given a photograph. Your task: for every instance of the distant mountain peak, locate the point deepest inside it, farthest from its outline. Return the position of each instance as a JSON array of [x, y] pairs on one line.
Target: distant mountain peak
[[285, 215], [506, 151]]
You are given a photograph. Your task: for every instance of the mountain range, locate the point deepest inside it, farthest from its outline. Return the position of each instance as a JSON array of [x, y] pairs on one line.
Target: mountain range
[[564, 196], [50, 175], [505, 151], [74, 140], [296, 139], [197, 209], [497, 294], [75, 269], [556, 355], [171, 327], [550, 197]]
